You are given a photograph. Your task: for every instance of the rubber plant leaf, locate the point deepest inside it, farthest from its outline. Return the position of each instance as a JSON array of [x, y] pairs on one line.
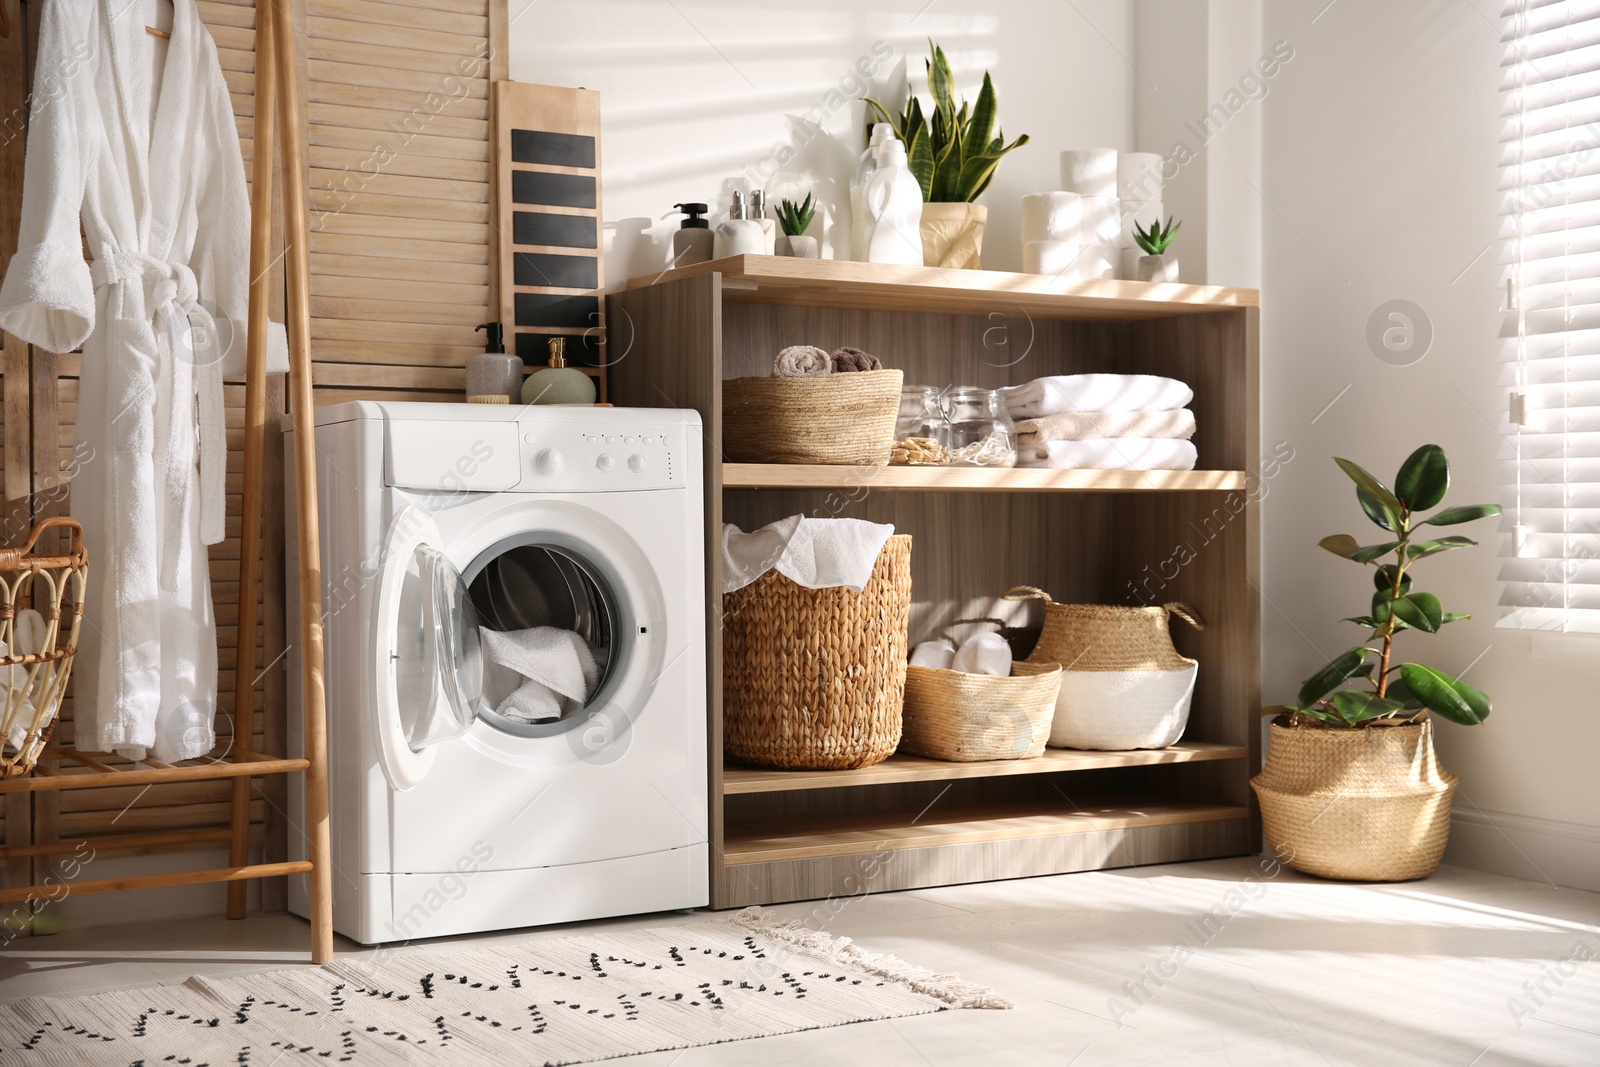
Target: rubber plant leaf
[[1450, 697], [1340, 670], [1464, 513], [1424, 478], [1355, 706], [1419, 610]]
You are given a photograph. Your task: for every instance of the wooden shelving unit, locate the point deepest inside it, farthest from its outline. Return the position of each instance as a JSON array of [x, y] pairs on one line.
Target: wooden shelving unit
[[1086, 536]]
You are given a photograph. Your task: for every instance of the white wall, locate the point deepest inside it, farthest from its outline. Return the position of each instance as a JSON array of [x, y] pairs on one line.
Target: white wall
[[693, 94], [1381, 146]]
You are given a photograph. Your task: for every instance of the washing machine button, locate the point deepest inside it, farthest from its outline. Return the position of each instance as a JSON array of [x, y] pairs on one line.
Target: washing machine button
[[548, 461], [530, 438], [636, 463], [605, 462], [628, 440]]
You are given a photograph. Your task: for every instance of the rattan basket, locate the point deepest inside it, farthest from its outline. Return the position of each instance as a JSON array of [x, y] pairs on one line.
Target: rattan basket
[[35, 667], [951, 715], [814, 679], [832, 418]]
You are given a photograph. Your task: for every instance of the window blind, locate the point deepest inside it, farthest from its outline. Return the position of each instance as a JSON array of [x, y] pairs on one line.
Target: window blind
[[1550, 180]]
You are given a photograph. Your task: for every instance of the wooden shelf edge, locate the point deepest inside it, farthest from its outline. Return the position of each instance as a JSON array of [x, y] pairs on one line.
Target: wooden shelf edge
[[871, 832], [46, 781], [974, 479], [899, 769]]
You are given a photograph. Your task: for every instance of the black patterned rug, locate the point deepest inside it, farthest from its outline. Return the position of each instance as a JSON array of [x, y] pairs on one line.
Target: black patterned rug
[[541, 1002]]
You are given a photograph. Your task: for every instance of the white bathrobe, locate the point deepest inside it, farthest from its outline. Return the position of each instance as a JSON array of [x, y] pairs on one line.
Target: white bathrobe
[[136, 136]]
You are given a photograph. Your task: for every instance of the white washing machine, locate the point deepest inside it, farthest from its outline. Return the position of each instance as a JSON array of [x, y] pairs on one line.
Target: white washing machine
[[448, 818]]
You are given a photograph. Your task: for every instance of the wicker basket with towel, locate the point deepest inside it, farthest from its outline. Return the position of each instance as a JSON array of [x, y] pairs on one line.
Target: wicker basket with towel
[[817, 407], [982, 706]]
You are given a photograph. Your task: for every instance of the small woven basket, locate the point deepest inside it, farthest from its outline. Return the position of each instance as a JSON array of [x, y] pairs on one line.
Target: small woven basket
[[814, 679], [1368, 805], [831, 418], [35, 665], [951, 715]]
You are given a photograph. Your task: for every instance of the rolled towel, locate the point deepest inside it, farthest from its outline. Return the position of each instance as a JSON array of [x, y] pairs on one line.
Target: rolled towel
[[935, 654], [846, 358], [983, 654], [1090, 425], [802, 361], [1095, 392], [1122, 453]]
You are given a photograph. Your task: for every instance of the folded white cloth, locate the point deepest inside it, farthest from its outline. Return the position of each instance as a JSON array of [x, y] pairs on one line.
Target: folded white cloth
[[555, 668], [802, 361], [1121, 453], [935, 654], [1095, 392], [983, 654], [815, 553], [1089, 425]]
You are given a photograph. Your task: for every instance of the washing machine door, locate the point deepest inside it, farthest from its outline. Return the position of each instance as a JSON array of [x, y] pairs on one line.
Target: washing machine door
[[427, 653]]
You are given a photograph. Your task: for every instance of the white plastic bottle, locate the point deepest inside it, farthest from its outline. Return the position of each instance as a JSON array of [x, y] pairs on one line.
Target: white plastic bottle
[[882, 133], [893, 201]]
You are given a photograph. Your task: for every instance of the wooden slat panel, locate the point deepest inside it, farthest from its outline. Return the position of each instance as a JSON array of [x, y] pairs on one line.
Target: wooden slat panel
[[398, 98], [403, 36], [448, 120], [440, 253], [378, 267], [473, 26]]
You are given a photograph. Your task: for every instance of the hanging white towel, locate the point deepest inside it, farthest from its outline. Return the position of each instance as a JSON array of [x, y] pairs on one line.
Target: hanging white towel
[[815, 553], [556, 668], [1122, 453], [1095, 392]]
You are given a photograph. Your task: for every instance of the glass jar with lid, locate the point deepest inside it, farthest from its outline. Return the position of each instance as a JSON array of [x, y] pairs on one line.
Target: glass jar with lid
[[921, 434], [981, 432]]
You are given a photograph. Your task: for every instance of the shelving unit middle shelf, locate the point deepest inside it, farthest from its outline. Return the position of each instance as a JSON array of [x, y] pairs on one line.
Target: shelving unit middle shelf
[[973, 479]]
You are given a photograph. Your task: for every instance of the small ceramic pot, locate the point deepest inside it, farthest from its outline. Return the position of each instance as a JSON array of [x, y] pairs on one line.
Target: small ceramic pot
[[800, 247], [1162, 268], [952, 235]]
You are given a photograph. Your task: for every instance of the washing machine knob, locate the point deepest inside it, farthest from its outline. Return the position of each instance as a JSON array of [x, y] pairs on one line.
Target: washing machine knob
[[548, 461], [605, 463], [636, 463]]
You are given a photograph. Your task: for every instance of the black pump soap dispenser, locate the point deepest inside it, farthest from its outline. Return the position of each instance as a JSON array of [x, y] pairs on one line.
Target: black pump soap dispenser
[[493, 377], [693, 241]]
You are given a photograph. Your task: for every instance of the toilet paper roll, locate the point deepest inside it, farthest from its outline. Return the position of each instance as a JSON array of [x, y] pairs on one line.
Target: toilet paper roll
[[1139, 176], [1100, 260], [1058, 259], [1102, 219], [1136, 214], [1051, 216], [1089, 171]]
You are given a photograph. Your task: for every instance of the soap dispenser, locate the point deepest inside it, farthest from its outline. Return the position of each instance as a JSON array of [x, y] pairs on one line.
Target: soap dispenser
[[739, 236], [757, 213], [558, 383], [693, 241], [493, 377]]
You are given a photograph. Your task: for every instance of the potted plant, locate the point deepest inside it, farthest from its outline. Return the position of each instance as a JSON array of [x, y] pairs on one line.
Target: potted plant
[[795, 220], [1155, 265], [1351, 788], [954, 155]]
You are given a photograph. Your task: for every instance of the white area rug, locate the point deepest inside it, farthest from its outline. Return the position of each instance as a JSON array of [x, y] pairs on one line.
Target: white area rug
[[546, 1002]]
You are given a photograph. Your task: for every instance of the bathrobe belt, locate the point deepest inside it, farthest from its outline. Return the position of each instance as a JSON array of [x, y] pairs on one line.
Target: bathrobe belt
[[192, 333]]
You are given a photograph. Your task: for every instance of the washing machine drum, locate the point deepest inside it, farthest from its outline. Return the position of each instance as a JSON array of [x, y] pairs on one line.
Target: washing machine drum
[[522, 586]]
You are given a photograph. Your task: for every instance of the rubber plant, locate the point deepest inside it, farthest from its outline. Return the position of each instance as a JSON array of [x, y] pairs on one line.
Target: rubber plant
[[1367, 685], [954, 153]]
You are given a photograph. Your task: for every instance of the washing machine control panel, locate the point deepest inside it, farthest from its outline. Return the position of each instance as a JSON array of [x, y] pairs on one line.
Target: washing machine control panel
[[577, 458]]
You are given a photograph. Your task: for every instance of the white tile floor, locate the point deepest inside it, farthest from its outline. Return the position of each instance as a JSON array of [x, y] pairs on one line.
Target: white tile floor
[[1290, 970]]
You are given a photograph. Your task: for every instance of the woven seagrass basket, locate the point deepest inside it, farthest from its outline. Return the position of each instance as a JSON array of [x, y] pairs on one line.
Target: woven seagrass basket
[[38, 648], [814, 679], [952, 715], [1368, 805], [832, 418]]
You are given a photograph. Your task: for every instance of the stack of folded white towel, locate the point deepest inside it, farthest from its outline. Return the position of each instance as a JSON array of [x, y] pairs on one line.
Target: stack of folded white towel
[[1103, 422]]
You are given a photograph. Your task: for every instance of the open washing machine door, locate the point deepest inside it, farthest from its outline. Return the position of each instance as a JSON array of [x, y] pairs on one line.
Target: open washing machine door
[[426, 651]]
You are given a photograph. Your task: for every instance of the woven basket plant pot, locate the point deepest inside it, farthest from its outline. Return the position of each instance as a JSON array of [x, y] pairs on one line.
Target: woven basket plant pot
[[814, 679], [1366, 805], [832, 418], [952, 715]]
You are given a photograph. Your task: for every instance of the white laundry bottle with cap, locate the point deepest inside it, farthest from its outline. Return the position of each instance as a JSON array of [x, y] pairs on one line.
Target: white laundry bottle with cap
[[882, 133], [894, 209]]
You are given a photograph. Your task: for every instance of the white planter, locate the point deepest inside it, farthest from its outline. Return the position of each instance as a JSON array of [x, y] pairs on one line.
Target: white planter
[[1163, 268], [800, 247], [1116, 710]]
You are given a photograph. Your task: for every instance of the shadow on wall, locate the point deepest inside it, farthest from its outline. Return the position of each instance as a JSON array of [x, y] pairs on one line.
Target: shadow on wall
[[698, 99]]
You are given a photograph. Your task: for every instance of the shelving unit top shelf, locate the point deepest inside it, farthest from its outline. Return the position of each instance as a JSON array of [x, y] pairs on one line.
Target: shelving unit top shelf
[[901, 768], [935, 290], [972, 479]]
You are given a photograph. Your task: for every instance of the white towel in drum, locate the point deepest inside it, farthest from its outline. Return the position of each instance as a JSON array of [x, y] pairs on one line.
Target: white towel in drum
[[1121, 453], [815, 553], [1095, 392], [554, 666]]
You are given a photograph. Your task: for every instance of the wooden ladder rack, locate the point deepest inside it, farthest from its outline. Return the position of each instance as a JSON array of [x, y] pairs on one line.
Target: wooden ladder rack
[[277, 114]]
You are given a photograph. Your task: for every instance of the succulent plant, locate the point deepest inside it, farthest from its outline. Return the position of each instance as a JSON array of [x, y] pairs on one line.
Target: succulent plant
[[796, 218], [1156, 239]]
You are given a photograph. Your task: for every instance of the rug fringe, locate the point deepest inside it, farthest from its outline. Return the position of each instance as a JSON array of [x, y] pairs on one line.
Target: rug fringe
[[948, 988]]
